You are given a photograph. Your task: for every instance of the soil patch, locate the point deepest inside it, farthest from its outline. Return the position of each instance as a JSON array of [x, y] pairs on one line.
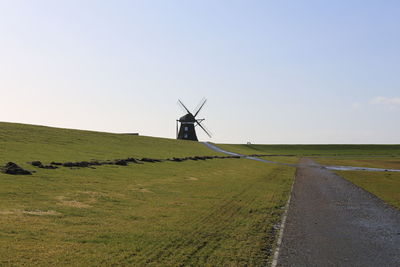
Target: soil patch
[[12, 168], [30, 212], [71, 203]]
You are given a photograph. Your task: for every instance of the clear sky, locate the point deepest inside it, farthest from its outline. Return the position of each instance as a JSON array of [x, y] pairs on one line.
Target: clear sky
[[272, 71]]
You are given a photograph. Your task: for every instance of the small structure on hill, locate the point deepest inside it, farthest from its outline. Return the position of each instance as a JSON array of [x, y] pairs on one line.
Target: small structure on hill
[[130, 133], [189, 122]]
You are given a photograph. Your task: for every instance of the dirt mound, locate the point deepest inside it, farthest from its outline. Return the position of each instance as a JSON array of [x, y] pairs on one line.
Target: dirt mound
[[177, 159], [40, 165], [150, 160], [121, 162], [12, 168]]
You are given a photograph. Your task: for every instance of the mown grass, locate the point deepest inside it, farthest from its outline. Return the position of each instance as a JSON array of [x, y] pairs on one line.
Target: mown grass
[[315, 150], [385, 185], [217, 212]]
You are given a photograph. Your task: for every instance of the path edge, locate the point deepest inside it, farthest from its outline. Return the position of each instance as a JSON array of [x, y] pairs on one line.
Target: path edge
[[274, 262]]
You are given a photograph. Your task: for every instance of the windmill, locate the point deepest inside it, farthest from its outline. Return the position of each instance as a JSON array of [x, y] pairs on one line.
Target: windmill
[[189, 122]]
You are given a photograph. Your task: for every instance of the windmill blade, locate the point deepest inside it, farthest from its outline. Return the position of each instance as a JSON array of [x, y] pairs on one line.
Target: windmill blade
[[182, 108], [182, 105], [200, 106], [204, 129]]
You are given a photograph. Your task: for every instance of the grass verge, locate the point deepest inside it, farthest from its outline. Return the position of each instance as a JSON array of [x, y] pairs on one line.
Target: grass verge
[[385, 185]]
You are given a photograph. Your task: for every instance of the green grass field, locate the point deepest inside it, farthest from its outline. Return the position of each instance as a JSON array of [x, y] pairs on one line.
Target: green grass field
[[218, 212], [316, 150]]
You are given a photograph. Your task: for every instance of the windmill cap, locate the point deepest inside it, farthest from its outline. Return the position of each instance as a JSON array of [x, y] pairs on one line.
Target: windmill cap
[[187, 118]]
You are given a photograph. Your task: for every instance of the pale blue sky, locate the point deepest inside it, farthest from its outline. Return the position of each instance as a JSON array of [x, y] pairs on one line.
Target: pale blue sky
[[273, 71]]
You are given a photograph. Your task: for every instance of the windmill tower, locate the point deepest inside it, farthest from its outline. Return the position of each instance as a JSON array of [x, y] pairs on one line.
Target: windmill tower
[[188, 123]]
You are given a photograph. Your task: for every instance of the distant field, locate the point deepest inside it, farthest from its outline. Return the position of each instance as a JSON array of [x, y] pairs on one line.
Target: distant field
[[382, 162], [218, 212], [315, 150], [385, 185]]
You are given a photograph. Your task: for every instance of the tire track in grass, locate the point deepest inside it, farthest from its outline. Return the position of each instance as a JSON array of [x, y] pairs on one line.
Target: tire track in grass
[[197, 250], [268, 238], [160, 251], [212, 225]]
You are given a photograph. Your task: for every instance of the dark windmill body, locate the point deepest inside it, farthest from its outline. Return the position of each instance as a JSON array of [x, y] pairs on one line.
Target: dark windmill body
[[188, 123]]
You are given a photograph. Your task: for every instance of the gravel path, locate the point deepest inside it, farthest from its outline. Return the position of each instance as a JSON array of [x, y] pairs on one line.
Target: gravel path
[[332, 222]]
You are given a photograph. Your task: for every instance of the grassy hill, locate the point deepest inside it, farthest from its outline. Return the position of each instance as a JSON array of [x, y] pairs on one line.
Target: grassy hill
[[23, 143], [218, 212]]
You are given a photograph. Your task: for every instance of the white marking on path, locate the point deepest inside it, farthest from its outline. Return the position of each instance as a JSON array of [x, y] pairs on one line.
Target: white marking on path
[[281, 229], [215, 148]]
